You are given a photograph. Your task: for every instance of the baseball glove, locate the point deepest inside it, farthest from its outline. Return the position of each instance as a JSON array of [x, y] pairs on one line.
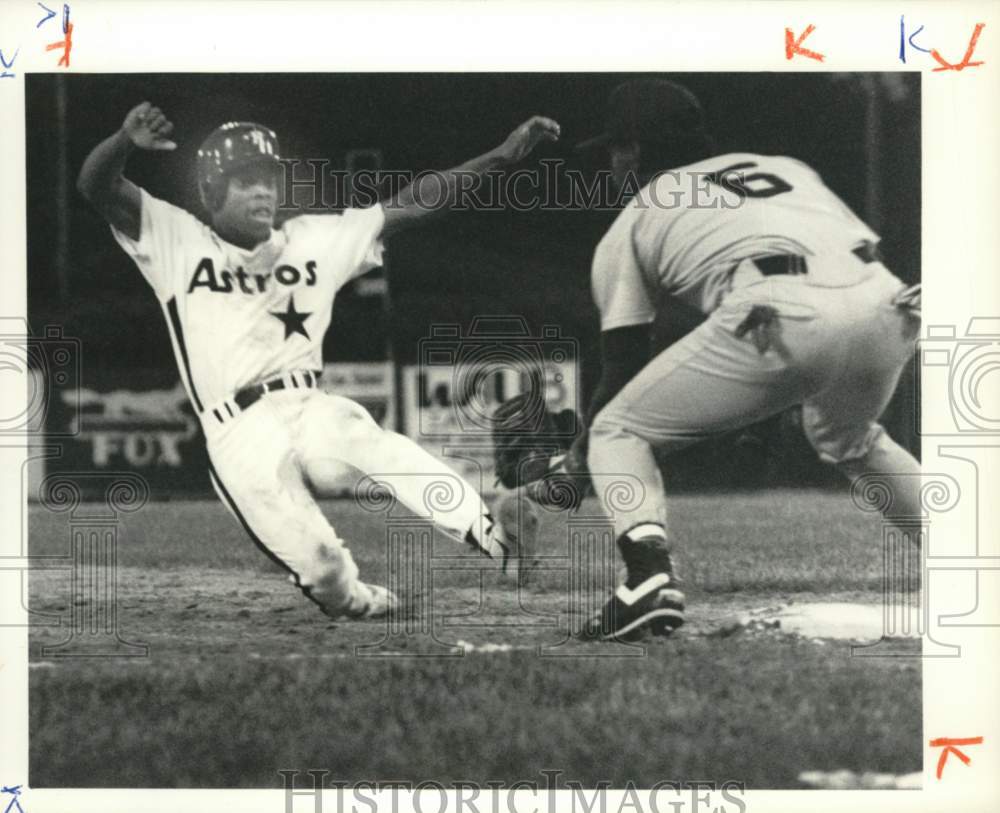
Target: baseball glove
[[530, 446]]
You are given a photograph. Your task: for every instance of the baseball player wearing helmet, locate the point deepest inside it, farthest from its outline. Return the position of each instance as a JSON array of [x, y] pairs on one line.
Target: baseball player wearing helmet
[[246, 306], [800, 310]]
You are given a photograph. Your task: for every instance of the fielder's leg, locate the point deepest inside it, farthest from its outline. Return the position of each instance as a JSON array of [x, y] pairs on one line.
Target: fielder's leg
[[894, 466], [841, 421], [707, 383]]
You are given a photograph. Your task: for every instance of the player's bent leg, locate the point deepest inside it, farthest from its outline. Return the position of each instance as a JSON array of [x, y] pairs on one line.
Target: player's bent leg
[[255, 473], [894, 468], [709, 382], [841, 422], [618, 459], [338, 430], [296, 536], [649, 598]]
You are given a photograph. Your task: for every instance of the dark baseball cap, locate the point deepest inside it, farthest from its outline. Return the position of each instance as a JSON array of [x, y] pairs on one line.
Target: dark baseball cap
[[648, 111]]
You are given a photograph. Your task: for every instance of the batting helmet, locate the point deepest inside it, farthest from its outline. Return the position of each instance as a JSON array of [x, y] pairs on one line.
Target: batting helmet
[[234, 145]]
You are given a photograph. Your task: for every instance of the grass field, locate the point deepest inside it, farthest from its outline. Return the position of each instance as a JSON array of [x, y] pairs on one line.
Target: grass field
[[244, 677]]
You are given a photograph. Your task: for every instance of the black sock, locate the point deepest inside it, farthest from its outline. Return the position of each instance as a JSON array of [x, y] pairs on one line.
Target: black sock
[[644, 557]]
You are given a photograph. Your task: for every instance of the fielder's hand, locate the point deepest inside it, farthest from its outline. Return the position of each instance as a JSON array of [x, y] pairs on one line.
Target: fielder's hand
[[148, 128], [567, 482], [525, 138]]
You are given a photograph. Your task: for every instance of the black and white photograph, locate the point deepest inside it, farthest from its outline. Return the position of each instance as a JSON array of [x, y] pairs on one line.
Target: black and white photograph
[[496, 437]]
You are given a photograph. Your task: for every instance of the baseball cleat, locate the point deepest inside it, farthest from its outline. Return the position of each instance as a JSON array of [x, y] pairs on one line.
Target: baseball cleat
[[649, 599], [655, 605], [374, 600]]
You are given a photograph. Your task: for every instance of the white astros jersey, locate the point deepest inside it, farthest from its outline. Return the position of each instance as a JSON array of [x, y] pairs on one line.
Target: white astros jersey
[[238, 317], [686, 231]]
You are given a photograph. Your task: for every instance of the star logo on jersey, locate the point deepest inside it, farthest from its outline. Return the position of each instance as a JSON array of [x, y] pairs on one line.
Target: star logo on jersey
[[293, 321]]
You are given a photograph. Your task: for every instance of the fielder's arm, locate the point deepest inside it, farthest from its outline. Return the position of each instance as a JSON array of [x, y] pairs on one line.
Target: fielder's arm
[[101, 180], [437, 191], [624, 352]]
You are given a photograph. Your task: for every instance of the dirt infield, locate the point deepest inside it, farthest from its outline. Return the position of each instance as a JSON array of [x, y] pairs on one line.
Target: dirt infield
[[191, 612], [475, 681]]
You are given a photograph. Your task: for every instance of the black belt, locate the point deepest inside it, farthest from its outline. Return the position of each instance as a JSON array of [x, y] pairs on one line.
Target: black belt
[[793, 264], [248, 396]]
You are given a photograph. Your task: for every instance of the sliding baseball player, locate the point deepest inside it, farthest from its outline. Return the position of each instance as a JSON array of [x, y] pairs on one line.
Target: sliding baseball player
[[247, 305]]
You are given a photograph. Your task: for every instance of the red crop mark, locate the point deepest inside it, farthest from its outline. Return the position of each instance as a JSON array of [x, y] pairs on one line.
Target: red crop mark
[[949, 743], [794, 46], [965, 63], [66, 44]]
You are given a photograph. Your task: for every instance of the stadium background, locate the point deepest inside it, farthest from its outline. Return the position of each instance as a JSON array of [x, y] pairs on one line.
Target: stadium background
[[860, 131]]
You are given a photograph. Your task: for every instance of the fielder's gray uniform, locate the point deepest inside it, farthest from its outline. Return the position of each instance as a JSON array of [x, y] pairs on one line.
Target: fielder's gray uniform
[[724, 244]]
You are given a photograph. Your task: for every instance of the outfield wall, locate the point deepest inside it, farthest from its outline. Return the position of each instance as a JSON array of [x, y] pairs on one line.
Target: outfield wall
[[152, 430]]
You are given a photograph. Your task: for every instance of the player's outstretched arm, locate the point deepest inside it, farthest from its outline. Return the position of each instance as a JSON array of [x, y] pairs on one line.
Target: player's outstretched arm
[[437, 191], [101, 180]]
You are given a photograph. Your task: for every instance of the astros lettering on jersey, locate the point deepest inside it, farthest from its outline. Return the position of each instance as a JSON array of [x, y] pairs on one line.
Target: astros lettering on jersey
[[236, 316]]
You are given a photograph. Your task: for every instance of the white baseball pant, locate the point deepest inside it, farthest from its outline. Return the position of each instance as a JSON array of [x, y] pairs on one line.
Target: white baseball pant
[[267, 461]]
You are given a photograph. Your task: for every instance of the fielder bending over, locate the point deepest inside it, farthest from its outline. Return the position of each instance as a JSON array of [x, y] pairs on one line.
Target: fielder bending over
[[800, 310]]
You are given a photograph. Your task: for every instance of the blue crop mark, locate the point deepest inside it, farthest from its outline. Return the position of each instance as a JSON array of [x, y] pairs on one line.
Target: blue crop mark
[[908, 40], [49, 14], [8, 64], [14, 791]]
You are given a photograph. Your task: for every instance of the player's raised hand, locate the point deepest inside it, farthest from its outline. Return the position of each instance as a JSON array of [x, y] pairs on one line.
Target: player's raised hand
[[148, 128], [525, 138]]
